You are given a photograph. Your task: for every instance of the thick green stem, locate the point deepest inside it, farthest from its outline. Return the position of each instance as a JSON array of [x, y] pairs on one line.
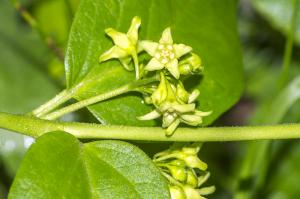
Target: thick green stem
[[36, 127]]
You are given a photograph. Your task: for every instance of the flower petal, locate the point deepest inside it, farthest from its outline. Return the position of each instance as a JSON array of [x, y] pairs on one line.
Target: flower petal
[[194, 162], [173, 68], [154, 64], [120, 39], [190, 192], [193, 96], [207, 190], [202, 113], [193, 120], [184, 108], [134, 29], [181, 49], [203, 178], [149, 46], [150, 116], [166, 37], [114, 52], [171, 129]]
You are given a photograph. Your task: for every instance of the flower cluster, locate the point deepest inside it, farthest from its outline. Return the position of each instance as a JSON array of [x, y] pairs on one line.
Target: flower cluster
[[170, 61], [174, 104], [185, 172]]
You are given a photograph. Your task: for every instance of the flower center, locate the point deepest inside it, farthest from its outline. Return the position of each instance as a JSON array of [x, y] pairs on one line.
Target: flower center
[[164, 53]]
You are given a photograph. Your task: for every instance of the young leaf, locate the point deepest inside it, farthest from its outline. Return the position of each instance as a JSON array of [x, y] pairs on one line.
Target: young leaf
[[59, 166], [208, 26]]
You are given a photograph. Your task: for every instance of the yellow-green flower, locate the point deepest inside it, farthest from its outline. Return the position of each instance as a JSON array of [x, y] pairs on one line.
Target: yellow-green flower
[[185, 177], [165, 53], [175, 105], [188, 155], [125, 48]]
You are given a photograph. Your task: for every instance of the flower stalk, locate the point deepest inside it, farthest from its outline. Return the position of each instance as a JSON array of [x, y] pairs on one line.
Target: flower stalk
[[134, 86]]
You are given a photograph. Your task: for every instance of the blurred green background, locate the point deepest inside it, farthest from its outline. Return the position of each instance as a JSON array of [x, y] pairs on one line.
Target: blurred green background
[[31, 57]]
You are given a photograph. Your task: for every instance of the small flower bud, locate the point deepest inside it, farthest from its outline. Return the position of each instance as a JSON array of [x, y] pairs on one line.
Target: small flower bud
[[147, 100], [192, 178], [181, 93], [161, 93], [178, 173], [190, 156], [191, 65]]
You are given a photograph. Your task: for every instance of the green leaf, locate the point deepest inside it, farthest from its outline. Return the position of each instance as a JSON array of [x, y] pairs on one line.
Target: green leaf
[[59, 166], [208, 26], [279, 13]]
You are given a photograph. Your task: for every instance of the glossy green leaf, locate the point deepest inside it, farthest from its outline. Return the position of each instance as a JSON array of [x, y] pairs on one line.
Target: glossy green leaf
[[208, 26], [279, 13], [59, 166]]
